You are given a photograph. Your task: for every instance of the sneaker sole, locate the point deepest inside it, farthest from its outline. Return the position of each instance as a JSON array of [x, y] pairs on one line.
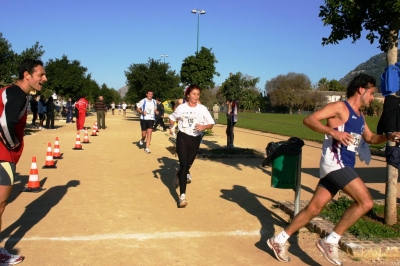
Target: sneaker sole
[[183, 204], [276, 255], [321, 249]]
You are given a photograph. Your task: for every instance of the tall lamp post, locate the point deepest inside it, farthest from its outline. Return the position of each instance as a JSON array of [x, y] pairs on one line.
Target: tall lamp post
[[198, 12], [164, 55]]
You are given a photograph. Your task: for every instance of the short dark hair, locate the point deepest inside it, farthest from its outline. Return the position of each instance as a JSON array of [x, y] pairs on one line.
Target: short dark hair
[[190, 88], [361, 80], [28, 65]]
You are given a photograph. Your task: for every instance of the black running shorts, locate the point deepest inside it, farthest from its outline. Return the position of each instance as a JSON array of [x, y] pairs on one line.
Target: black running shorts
[[338, 179], [146, 124]]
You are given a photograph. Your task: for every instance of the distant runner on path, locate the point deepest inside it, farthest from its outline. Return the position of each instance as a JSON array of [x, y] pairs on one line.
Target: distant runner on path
[[147, 109]]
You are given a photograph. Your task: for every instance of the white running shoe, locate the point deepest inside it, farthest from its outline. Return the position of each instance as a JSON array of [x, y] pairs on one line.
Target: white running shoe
[[330, 251], [189, 178], [182, 201], [278, 249], [9, 259], [147, 150], [141, 142]]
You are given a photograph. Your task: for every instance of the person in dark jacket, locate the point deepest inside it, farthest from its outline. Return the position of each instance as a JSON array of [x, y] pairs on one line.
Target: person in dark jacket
[[50, 109], [101, 109], [70, 107], [160, 115], [42, 110], [34, 109]]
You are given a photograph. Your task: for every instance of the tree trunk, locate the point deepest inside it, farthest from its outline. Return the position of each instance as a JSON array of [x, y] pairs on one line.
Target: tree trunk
[[391, 172]]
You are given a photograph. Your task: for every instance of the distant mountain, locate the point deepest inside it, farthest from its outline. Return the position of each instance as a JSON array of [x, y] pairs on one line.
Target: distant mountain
[[374, 66], [122, 91]]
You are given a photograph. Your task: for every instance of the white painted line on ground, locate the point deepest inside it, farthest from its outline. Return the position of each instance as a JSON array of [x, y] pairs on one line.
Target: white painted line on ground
[[146, 236]]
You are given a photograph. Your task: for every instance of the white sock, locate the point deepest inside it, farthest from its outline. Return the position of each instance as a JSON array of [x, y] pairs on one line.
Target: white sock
[[282, 237], [332, 238]]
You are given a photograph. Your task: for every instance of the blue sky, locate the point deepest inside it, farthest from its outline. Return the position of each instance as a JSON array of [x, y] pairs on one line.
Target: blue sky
[[260, 38]]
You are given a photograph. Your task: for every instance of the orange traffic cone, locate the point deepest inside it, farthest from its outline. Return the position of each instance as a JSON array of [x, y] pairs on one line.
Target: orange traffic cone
[[78, 145], [49, 158], [56, 151], [33, 183], [97, 127], [94, 134], [86, 138]]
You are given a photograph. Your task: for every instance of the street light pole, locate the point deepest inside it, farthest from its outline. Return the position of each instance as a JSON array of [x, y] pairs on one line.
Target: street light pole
[[198, 12], [164, 55]]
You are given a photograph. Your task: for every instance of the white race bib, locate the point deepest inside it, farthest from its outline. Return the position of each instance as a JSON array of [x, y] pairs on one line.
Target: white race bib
[[189, 122], [356, 142]]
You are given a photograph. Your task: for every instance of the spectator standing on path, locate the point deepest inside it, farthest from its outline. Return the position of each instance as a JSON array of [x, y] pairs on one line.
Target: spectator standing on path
[[193, 118], [231, 115], [34, 109], [100, 107], [113, 107], [147, 108], [50, 109], [216, 111], [345, 131], [81, 105], [119, 108], [160, 115], [124, 105], [13, 112], [70, 107], [41, 110]]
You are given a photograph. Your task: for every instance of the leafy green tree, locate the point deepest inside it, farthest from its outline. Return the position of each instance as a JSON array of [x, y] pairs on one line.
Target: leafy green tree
[[234, 86], [7, 61], [285, 89], [199, 69], [323, 84], [90, 88], [109, 95], [250, 99], [35, 52], [155, 76], [381, 18], [220, 98], [335, 85], [66, 78]]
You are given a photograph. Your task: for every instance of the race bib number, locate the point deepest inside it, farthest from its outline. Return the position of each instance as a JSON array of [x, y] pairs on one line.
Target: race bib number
[[356, 142], [149, 111], [189, 121]]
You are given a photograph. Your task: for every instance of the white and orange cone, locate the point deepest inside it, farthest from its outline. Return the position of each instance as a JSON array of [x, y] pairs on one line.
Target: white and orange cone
[[78, 145], [97, 127], [94, 134], [49, 158], [86, 137], [56, 151], [33, 182]]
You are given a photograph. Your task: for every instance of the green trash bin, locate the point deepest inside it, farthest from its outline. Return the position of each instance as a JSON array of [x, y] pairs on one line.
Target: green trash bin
[[284, 171]]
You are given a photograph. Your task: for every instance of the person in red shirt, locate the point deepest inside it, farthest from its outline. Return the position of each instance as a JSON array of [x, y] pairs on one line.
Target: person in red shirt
[[13, 114], [81, 105]]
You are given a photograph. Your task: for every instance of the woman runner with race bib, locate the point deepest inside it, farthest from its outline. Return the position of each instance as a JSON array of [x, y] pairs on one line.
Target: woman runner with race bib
[[193, 118]]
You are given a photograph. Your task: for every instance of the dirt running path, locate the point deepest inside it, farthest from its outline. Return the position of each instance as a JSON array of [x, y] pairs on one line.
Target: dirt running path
[[112, 204]]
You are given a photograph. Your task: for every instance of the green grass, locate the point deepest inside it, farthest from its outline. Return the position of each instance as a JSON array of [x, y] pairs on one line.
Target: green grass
[[368, 227], [287, 125]]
